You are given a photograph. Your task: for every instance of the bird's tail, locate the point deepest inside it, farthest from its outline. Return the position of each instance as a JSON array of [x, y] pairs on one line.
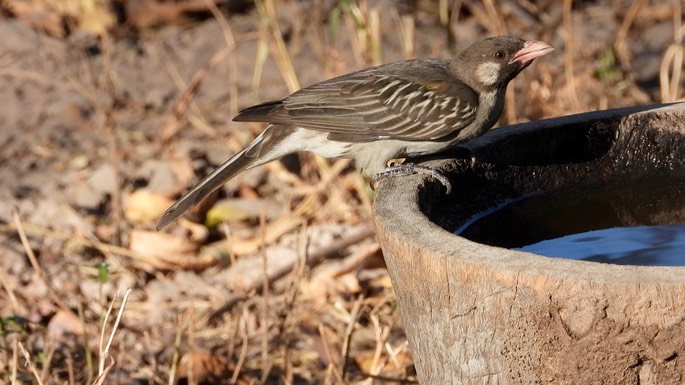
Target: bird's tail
[[260, 151], [212, 182]]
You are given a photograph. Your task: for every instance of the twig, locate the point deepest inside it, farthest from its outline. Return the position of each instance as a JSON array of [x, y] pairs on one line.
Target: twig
[[85, 339], [4, 280], [381, 337], [495, 15], [15, 361], [267, 11], [673, 59], [260, 58], [285, 326], [389, 379], [274, 230], [266, 297], [190, 365], [490, 17], [622, 34], [375, 36], [243, 349], [47, 361], [104, 350], [232, 63], [176, 356], [569, 52], [347, 340], [70, 369], [454, 18], [407, 30], [327, 350], [312, 260], [106, 248], [25, 242], [38, 271], [186, 100], [27, 357], [114, 147]]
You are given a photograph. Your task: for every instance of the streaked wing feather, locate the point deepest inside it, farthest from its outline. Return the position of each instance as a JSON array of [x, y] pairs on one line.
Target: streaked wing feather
[[375, 103]]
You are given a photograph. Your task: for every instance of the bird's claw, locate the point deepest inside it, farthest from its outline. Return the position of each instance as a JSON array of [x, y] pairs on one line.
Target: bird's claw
[[409, 169]]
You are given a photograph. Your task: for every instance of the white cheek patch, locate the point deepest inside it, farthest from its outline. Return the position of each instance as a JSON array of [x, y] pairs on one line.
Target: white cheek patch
[[488, 73]]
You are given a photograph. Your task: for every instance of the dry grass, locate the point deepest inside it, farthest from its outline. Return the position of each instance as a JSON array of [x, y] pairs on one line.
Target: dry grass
[[290, 316], [670, 74]]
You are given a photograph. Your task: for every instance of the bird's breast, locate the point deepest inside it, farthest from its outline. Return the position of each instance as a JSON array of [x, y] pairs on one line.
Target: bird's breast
[[490, 106]]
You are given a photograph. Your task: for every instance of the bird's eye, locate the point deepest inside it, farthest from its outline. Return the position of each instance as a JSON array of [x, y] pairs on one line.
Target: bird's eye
[[499, 54]]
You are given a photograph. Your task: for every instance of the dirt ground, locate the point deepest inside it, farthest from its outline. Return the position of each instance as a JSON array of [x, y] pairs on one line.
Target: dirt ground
[[278, 278]]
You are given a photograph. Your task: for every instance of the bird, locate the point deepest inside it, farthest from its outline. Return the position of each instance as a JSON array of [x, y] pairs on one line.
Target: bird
[[392, 111]]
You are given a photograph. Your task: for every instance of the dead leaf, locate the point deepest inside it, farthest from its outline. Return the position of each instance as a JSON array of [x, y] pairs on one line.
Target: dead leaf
[[64, 325], [92, 16], [143, 207], [38, 16], [200, 365], [163, 250], [368, 363], [229, 210]]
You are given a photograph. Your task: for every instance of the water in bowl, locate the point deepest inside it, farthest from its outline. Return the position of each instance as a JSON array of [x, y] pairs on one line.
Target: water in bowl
[[662, 245], [629, 221]]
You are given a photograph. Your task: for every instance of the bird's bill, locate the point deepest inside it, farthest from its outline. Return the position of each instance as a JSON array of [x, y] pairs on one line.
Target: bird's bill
[[532, 50]]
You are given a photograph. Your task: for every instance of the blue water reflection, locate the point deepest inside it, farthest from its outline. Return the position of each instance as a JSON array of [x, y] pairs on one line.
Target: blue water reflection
[[662, 245]]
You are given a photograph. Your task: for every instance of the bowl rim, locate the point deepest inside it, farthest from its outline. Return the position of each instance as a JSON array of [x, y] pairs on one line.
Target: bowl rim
[[400, 222]]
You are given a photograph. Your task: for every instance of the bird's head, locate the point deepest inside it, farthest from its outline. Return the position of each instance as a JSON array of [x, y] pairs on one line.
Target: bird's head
[[491, 63]]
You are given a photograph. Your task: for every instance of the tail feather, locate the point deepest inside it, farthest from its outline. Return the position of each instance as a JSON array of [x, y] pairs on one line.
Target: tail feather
[[265, 112], [263, 149], [232, 167]]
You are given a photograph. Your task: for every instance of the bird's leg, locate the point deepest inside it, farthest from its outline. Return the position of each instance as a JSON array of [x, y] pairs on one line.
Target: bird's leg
[[409, 169]]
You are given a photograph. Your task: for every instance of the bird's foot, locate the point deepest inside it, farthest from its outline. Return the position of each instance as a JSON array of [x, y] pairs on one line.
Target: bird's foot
[[409, 169]]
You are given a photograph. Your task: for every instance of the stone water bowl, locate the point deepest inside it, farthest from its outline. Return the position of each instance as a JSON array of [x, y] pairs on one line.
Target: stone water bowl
[[478, 314]]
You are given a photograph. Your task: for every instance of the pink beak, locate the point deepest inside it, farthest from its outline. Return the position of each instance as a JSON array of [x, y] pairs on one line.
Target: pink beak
[[531, 50]]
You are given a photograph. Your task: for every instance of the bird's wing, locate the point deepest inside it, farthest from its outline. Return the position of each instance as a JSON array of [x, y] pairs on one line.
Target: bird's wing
[[414, 103]]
